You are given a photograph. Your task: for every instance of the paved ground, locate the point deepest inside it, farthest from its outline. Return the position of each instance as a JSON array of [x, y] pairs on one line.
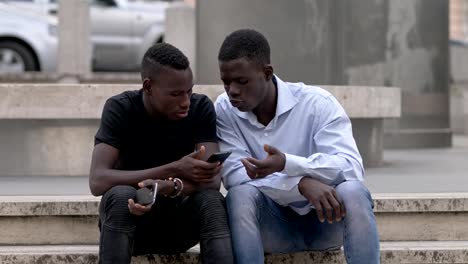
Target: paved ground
[[423, 170], [426, 170]]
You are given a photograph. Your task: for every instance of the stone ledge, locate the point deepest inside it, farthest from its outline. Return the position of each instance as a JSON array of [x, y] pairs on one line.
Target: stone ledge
[[53, 77], [49, 230], [421, 202], [49, 205], [52, 220], [88, 205], [85, 101], [47, 129], [391, 252]]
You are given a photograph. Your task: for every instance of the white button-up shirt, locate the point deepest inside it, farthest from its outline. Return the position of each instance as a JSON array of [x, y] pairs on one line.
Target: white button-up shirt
[[309, 126]]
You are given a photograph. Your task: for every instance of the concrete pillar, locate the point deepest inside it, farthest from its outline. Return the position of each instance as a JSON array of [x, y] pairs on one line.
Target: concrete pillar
[[368, 133], [74, 52], [180, 30], [459, 88], [400, 43]]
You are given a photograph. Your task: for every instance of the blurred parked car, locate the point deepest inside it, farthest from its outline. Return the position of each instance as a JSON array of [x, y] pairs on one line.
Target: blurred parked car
[[121, 31], [28, 41]]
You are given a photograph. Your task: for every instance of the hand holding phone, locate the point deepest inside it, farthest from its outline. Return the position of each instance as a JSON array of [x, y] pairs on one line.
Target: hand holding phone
[[193, 168], [219, 157], [147, 195]]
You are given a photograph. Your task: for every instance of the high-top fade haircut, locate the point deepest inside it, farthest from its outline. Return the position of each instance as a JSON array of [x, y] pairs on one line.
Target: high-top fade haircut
[[162, 55], [246, 43]]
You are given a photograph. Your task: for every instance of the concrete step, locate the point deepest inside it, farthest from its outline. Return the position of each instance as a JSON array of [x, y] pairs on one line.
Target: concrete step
[[391, 252], [422, 216], [41, 220]]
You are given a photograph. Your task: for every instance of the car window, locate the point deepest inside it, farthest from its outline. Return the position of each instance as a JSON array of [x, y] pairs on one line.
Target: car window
[[93, 2], [104, 3]]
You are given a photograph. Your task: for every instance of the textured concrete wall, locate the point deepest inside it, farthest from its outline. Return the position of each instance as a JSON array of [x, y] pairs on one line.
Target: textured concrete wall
[[46, 147], [412, 53], [398, 42], [402, 43], [180, 30], [298, 32]]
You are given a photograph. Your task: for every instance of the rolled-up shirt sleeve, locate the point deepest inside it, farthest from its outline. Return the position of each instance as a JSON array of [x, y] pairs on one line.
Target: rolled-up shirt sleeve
[[280, 187], [337, 158]]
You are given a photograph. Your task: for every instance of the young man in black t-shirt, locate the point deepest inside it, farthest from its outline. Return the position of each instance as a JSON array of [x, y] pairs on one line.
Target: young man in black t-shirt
[[160, 133]]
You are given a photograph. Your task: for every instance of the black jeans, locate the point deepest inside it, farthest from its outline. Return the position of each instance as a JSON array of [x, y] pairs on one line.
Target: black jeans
[[172, 226]]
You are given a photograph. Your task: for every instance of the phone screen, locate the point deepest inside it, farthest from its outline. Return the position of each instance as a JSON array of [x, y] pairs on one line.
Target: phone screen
[[219, 157]]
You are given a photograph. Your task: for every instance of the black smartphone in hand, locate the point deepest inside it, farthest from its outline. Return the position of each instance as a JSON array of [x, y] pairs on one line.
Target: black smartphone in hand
[[147, 195], [219, 157]]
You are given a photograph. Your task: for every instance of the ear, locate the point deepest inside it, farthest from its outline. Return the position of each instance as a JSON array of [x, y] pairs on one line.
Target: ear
[[147, 86], [268, 71]]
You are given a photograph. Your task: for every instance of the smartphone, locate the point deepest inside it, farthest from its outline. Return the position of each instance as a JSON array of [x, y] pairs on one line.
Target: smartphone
[[147, 195], [219, 157]]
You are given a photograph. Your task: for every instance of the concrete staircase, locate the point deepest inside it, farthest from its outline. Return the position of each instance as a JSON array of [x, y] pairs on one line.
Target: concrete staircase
[[414, 228]]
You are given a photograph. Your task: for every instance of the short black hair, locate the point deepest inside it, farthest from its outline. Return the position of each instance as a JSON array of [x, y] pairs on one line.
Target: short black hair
[[245, 43], [162, 55]]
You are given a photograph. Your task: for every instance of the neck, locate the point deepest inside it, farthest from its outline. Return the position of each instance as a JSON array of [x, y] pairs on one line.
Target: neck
[[266, 110], [149, 108]]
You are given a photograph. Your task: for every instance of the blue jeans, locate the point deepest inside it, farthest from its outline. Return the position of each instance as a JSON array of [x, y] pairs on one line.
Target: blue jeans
[[259, 225]]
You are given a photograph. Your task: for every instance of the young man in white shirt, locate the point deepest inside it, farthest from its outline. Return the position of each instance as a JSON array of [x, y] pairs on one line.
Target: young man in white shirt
[[295, 175]]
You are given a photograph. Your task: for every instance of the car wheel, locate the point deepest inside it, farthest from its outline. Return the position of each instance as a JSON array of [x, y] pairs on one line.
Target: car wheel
[[16, 58]]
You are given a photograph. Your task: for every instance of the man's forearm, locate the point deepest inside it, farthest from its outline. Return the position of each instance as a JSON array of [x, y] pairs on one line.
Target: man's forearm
[[104, 179], [329, 169]]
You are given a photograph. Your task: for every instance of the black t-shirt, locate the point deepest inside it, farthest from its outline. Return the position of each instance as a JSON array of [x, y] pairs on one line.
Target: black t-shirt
[[144, 142]]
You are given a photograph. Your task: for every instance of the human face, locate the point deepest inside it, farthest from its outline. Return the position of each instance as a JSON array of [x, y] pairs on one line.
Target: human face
[[245, 82], [169, 93]]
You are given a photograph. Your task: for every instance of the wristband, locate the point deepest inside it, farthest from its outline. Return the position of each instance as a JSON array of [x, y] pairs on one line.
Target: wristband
[[181, 186], [175, 188]]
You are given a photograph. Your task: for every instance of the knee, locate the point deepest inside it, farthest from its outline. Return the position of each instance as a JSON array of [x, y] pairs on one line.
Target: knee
[[208, 196], [209, 201], [210, 209], [117, 197], [243, 198], [355, 195]]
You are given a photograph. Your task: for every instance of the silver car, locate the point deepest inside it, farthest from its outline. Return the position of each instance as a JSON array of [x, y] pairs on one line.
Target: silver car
[[28, 41], [121, 31]]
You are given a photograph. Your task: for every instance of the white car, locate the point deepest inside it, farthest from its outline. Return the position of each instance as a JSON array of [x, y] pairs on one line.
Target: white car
[[28, 41], [121, 31]]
